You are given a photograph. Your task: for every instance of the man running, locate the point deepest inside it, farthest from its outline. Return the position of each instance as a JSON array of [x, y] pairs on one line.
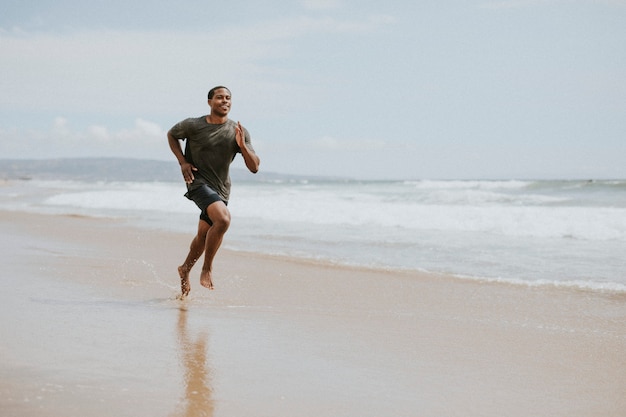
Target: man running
[[212, 142]]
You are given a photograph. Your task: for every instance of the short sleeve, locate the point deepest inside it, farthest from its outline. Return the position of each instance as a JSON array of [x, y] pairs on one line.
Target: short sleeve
[[179, 130]]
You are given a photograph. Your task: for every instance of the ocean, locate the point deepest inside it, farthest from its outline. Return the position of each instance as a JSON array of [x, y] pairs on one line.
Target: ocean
[[567, 233]]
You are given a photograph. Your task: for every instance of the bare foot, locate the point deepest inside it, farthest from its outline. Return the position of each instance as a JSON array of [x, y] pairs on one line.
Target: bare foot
[[184, 281], [205, 280]]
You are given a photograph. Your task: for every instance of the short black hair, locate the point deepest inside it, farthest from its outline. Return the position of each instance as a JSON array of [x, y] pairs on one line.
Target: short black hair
[[212, 90]]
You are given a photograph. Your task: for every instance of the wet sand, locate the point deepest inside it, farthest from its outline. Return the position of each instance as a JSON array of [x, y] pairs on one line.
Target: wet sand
[[91, 327]]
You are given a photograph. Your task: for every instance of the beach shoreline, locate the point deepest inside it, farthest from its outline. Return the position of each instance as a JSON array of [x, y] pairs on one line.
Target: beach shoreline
[[92, 327]]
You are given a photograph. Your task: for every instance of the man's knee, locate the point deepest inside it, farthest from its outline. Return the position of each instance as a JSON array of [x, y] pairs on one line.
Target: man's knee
[[219, 215]]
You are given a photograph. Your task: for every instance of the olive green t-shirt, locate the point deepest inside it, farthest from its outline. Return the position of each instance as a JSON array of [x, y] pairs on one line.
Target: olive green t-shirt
[[211, 148]]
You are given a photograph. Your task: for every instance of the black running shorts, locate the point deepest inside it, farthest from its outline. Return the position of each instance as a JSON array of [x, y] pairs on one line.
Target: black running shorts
[[204, 196]]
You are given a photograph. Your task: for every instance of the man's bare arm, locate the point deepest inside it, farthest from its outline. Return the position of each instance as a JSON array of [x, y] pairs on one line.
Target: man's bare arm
[[185, 167], [249, 156]]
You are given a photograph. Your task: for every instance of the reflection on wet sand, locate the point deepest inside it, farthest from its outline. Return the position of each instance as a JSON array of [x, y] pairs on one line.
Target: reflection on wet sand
[[198, 399]]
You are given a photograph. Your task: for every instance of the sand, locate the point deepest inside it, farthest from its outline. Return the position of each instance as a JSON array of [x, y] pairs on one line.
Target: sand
[[91, 326]]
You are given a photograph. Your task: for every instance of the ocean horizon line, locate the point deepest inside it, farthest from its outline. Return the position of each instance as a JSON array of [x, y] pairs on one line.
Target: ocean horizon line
[[146, 169]]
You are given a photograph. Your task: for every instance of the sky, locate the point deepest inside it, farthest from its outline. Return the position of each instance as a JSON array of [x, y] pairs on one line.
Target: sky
[[424, 89]]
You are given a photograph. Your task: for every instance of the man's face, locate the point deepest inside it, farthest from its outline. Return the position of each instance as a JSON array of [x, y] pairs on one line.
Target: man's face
[[220, 103]]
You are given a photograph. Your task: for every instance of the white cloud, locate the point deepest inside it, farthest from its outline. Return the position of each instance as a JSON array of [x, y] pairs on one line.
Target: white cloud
[[59, 126], [100, 133], [95, 140], [144, 132], [149, 128]]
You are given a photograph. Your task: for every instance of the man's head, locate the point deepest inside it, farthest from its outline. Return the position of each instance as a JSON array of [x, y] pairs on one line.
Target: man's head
[[219, 101], [214, 89]]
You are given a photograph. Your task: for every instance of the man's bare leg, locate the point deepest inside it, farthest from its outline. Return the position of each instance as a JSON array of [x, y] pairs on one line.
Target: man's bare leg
[[195, 251], [220, 216]]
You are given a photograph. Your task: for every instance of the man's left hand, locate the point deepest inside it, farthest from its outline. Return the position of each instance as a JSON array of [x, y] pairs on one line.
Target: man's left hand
[[240, 136]]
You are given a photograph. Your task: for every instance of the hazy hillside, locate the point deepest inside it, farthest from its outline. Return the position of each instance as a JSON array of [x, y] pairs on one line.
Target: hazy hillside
[[112, 169], [104, 169]]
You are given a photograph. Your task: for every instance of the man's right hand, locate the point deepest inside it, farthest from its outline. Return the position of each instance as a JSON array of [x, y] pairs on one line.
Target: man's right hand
[[187, 169]]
